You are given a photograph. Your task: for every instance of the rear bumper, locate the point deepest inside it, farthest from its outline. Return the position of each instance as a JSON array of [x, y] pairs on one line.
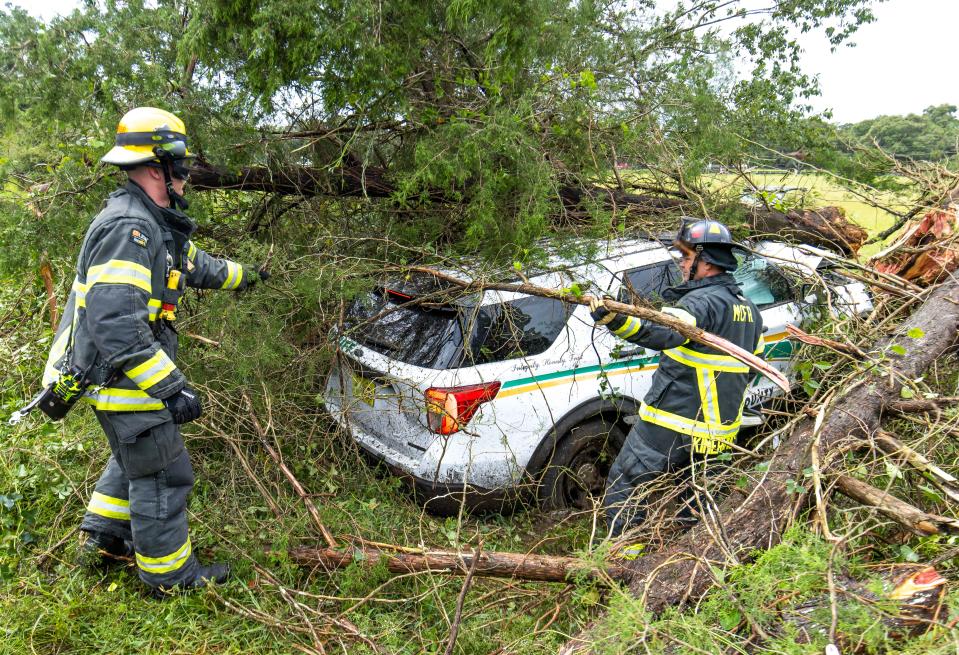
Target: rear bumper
[[442, 498]]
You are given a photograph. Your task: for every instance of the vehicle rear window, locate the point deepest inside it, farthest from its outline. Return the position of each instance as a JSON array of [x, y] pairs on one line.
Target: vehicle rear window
[[649, 282], [519, 328], [455, 334]]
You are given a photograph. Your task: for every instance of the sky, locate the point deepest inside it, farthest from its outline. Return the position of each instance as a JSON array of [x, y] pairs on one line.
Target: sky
[[902, 63]]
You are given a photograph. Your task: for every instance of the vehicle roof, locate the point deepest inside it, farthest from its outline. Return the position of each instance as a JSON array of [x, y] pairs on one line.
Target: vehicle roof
[[802, 258]]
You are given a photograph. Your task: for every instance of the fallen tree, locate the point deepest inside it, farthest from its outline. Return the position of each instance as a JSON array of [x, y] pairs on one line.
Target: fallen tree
[[926, 251], [826, 226], [691, 332]]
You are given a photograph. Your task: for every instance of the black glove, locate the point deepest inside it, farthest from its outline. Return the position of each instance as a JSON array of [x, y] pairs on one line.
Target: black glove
[[255, 273], [184, 405]]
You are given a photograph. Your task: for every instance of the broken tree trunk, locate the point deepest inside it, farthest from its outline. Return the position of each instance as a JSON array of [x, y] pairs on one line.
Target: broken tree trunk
[[757, 519], [825, 227], [540, 568], [927, 250]]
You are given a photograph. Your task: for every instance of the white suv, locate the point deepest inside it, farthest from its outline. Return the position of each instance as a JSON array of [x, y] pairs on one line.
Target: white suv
[[473, 397]]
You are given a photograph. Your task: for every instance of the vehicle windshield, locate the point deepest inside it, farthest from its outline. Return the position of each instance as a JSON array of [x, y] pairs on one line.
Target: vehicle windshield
[[761, 282]]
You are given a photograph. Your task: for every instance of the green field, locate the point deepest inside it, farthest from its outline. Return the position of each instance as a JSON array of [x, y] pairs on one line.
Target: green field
[[864, 207]]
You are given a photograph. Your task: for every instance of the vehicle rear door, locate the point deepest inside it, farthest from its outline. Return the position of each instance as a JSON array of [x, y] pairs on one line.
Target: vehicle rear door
[[641, 284]]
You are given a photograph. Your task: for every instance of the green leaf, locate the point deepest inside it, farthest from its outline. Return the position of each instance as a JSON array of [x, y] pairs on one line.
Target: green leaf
[[906, 392], [908, 554], [899, 350], [892, 470], [915, 333], [730, 618]]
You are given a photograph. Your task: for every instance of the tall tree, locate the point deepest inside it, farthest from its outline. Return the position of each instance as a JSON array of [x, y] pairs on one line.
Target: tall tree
[[484, 113]]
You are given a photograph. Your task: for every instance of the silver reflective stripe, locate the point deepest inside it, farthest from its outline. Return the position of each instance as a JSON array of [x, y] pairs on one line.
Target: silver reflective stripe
[[629, 328], [167, 563], [122, 400], [119, 271], [152, 371], [109, 507]]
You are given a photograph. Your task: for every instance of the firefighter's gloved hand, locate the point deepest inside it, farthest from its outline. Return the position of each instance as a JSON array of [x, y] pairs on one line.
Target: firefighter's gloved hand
[[255, 273], [184, 405], [598, 311]]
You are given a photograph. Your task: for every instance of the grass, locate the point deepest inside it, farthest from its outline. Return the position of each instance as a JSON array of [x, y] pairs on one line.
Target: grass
[[272, 346]]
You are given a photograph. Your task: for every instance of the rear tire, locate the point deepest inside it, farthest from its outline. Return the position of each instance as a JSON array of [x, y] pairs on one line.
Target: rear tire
[[580, 464]]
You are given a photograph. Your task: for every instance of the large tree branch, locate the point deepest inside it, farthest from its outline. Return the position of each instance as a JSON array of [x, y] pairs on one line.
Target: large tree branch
[[540, 568], [689, 331]]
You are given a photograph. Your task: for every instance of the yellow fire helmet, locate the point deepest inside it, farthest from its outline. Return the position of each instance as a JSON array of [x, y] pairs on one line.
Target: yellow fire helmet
[[143, 129]]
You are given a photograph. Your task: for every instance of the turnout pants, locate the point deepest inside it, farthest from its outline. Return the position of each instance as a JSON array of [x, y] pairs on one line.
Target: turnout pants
[[649, 452], [141, 496]]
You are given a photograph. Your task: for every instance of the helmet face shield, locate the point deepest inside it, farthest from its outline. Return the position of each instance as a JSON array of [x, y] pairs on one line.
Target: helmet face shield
[[181, 170], [176, 149]]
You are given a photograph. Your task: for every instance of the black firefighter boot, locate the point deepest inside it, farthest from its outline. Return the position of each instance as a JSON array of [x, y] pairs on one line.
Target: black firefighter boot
[[102, 550]]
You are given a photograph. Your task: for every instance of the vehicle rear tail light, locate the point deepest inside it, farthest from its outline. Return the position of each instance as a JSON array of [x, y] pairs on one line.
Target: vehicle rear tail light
[[449, 409]]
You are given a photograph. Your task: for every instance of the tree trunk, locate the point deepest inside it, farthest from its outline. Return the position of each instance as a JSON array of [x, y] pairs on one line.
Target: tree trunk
[[823, 227], [540, 568], [757, 520]]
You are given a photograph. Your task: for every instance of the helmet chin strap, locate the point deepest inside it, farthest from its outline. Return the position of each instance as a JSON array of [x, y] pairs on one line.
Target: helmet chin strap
[[177, 201], [695, 267]]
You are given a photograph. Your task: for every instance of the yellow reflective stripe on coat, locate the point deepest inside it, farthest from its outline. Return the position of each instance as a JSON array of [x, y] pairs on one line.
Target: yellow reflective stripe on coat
[[152, 370], [80, 293], [191, 251], [113, 399], [629, 328], [57, 350], [706, 380], [234, 275], [696, 359], [707, 439], [120, 271], [167, 563], [108, 506]]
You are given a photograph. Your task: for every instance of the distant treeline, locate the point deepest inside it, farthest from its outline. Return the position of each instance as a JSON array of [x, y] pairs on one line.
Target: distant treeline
[[932, 135]]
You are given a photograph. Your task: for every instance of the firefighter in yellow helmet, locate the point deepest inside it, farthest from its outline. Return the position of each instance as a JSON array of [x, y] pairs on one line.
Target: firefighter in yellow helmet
[[118, 330]]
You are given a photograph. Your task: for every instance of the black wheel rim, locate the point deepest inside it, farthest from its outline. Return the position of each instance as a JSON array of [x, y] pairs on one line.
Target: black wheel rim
[[585, 478]]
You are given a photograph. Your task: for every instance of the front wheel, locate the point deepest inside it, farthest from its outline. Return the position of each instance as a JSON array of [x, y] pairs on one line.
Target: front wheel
[[580, 465]]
